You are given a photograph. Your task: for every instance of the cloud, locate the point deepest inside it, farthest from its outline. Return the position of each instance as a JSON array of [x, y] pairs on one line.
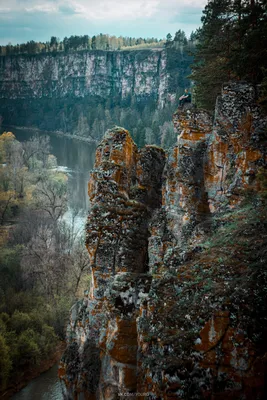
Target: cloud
[[99, 9], [189, 15], [110, 10], [5, 9], [76, 17], [67, 9], [42, 8]]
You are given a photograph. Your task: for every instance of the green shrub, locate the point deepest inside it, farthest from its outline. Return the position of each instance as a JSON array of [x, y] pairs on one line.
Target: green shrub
[[47, 340], [2, 327], [37, 318], [4, 317], [5, 363], [28, 351], [19, 322]]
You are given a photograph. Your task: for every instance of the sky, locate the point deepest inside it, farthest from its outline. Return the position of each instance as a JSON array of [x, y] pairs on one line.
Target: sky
[[23, 20]]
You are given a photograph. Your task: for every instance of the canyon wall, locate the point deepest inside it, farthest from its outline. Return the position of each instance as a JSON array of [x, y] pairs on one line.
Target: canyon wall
[[52, 91], [176, 308]]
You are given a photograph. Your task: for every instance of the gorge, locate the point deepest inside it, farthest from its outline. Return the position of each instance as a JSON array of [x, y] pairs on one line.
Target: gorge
[[162, 293], [176, 308]]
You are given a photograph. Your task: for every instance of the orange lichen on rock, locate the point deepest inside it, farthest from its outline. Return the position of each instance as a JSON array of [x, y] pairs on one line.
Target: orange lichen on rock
[[61, 370], [124, 188], [184, 197], [170, 306], [225, 159], [233, 156], [213, 331], [122, 341]]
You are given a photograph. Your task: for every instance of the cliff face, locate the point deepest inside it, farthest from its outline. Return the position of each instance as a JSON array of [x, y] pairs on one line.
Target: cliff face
[[174, 311], [56, 82], [80, 74]]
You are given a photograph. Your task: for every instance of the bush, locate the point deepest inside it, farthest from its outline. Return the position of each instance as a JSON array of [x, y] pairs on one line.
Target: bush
[[59, 314], [20, 322], [5, 363], [10, 271], [28, 351], [4, 317], [37, 320], [47, 340], [2, 327]]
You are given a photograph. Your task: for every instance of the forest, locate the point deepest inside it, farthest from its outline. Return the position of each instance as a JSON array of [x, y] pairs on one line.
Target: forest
[[77, 43], [231, 46], [97, 42], [43, 260]]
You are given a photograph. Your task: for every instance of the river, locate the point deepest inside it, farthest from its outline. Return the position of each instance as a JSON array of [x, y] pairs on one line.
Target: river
[[45, 387], [76, 159]]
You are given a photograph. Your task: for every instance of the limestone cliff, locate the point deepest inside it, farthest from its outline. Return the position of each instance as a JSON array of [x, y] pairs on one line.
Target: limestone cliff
[[177, 245], [51, 91]]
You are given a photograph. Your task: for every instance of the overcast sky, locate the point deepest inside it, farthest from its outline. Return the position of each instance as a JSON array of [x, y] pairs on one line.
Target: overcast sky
[[23, 20]]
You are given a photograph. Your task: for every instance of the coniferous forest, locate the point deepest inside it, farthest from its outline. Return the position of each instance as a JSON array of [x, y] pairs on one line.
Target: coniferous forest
[[231, 46]]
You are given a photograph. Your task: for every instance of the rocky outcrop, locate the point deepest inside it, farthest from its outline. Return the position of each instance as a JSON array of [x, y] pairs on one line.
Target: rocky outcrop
[[174, 311], [57, 91], [185, 197], [236, 148], [86, 73], [124, 189]]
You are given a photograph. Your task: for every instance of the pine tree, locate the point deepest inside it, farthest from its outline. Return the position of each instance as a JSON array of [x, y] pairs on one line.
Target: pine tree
[[168, 42], [180, 37], [231, 46], [210, 66], [93, 43]]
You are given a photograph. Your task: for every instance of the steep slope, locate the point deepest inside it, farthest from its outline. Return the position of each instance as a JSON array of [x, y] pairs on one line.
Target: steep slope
[[125, 187], [58, 91], [177, 304], [80, 74]]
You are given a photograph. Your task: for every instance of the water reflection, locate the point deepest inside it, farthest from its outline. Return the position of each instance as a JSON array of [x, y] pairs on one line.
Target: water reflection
[[46, 387], [77, 157]]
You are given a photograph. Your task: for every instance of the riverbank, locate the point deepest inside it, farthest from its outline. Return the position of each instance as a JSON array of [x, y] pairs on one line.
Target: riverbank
[[50, 133], [33, 373]]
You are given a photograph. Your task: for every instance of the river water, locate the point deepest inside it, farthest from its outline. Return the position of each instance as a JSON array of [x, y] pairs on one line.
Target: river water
[[76, 159], [46, 387]]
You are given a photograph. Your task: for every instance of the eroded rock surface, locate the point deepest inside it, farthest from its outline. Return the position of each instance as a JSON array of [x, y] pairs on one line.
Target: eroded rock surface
[[57, 91], [174, 311], [124, 189], [236, 148]]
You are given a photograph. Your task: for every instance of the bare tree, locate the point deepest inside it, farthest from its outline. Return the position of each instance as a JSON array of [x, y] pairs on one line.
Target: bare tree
[[36, 149], [6, 199], [18, 170], [54, 259], [50, 195]]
